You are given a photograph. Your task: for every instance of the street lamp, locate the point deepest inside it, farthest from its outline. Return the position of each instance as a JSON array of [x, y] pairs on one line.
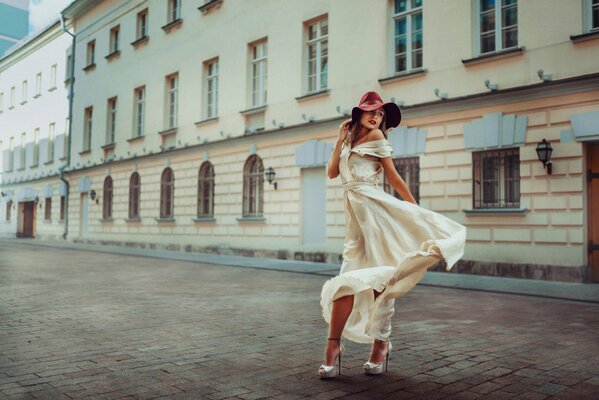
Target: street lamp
[[270, 176], [544, 153]]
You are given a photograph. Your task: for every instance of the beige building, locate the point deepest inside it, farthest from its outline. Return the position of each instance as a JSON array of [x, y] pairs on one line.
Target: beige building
[[209, 128], [33, 125]]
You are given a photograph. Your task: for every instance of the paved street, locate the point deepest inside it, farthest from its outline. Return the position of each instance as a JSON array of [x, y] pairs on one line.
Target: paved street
[[82, 324]]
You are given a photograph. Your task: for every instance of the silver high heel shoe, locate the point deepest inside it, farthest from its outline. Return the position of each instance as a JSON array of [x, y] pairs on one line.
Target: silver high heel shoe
[[371, 368], [330, 371]]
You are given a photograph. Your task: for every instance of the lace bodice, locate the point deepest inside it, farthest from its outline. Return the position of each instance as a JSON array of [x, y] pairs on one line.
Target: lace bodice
[[366, 166]]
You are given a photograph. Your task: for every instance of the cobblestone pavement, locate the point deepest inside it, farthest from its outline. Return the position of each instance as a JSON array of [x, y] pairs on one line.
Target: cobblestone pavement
[[78, 324]]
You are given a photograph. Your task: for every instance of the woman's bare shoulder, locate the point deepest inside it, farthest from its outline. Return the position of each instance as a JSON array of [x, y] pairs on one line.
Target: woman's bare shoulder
[[376, 134]]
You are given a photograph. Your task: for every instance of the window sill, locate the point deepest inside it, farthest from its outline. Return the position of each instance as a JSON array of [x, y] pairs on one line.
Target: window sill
[[11, 107], [88, 151], [403, 76], [133, 139], [251, 219], [109, 146], [172, 25], [114, 54], [49, 162], [37, 96], [206, 121], [163, 220], [53, 88], [23, 102], [133, 220], [169, 131], [254, 110], [204, 219], [585, 36], [142, 40], [209, 5], [313, 95], [47, 221], [106, 220], [33, 165], [67, 81], [495, 211], [90, 67], [497, 55]]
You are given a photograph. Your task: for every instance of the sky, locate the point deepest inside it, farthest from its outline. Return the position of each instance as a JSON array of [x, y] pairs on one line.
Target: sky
[[42, 12]]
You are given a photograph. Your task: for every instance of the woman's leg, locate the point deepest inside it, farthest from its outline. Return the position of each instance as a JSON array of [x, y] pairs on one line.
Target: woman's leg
[[378, 348], [342, 308]]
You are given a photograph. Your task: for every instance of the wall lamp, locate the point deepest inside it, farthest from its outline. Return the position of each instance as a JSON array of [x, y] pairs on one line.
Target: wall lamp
[[544, 153], [270, 176], [92, 194]]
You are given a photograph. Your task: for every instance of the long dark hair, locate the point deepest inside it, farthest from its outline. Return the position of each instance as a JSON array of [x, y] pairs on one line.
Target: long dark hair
[[354, 129]]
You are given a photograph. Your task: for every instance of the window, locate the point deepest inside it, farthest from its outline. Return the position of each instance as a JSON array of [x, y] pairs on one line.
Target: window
[[38, 84], [48, 209], [51, 130], [36, 147], [139, 111], [317, 52], [206, 190], [172, 88], [8, 208], [498, 25], [53, 75], [67, 75], [594, 14], [167, 193], [134, 191], [1, 102], [114, 39], [407, 21], [24, 92], [211, 89], [11, 154], [87, 129], [496, 175], [107, 202], [253, 187], [409, 170], [174, 10], [259, 74], [22, 151], [142, 24], [91, 53], [111, 121], [12, 97], [62, 206]]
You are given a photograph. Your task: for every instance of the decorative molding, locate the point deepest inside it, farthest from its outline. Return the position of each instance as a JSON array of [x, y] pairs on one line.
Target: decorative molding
[[172, 25], [251, 219], [84, 184], [401, 76], [313, 95], [204, 219], [313, 153], [252, 149], [168, 131], [141, 41], [114, 54], [89, 68], [495, 130], [209, 4], [407, 142], [496, 55], [133, 139], [254, 110], [205, 121], [585, 127], [583, 37]]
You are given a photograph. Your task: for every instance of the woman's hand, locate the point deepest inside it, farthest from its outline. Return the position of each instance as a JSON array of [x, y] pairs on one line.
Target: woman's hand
[[344, 130]]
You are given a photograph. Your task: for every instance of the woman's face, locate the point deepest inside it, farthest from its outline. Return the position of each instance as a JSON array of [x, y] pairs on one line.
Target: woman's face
[[372, 119]]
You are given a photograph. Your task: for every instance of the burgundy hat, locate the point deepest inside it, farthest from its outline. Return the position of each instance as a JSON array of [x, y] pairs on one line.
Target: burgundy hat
[[371, 101]]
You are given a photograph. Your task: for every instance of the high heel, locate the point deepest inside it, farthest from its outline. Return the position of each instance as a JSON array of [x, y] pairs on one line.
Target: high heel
[[371, 368], [330, 371]]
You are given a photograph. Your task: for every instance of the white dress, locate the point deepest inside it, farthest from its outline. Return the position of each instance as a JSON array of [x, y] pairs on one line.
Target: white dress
[[389, 244]]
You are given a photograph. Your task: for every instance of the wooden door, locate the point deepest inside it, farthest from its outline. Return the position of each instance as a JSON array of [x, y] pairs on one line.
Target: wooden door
[[28, 219], [593, 208]]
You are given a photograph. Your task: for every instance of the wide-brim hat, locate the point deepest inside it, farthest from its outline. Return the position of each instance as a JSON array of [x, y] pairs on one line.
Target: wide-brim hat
[[371, 101]]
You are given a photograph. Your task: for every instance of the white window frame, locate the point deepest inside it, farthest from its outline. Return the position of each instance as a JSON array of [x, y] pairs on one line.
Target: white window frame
[[211, 91], [259, 72], [11, 154], [318, 41], [13, 95], [114, 39], [174, 10], [36, 147], [139, 111], [51, 130], [38, 84], [498, 28], [142, 24], [87, 128], [172, 101], [587, 13], [1, 102], [24, 92], [53, 76], [22, 151], [91, 53], [65, 144], [408, 15], [111, 120]]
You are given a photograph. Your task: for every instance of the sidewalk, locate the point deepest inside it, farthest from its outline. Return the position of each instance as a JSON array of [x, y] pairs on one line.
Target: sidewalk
[[583, 292]]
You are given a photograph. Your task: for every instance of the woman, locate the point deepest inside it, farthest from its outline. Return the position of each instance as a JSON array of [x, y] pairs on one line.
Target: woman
[[389, 243]]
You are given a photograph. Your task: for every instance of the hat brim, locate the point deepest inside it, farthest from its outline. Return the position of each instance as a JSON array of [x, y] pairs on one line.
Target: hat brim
[[392, 113]]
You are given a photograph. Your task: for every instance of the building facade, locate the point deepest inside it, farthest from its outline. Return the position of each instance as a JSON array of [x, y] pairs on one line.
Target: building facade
[[33, 121], [185, 141], [14, 22]]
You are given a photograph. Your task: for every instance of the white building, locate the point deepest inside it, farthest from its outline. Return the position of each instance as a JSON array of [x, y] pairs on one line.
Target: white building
[[181, 110], [33, 124]]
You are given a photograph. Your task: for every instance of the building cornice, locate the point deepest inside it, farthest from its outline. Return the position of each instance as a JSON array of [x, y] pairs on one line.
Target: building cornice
[[30, 44], [79, 7]]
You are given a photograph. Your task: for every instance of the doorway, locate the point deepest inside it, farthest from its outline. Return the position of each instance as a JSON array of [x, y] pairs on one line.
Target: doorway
[[314, 219], [27, 217], [593, 208]]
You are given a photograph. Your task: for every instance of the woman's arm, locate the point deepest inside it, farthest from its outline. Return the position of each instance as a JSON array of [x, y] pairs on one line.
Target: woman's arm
[[333, 165], [396, 181]]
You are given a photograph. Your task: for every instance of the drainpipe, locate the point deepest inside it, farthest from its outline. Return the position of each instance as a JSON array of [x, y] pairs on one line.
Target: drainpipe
[[68, 163]]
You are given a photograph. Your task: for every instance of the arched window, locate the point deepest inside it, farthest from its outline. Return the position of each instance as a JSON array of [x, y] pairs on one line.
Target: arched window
[[206, 190], [107, 204], [167, 193], [134, 190], [253, 187]]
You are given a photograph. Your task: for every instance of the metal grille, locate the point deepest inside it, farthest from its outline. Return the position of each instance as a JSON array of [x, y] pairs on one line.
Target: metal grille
[[107, 204], [409, 170], [496, 178], [253, 187], [167, 195], [134, 189], [48, 209], [206, 190]]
